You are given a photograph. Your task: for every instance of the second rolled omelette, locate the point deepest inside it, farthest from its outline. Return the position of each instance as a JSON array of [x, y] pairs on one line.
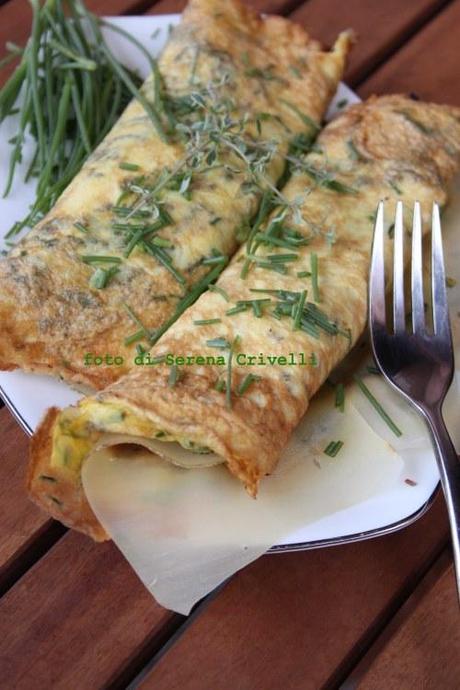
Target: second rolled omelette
[[234, 375], [147, 222]]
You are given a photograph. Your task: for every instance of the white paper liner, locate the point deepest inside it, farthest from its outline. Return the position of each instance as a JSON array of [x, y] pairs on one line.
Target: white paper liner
[[185, 531]]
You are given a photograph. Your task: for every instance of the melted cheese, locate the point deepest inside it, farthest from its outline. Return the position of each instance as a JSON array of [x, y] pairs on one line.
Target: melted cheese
[[102, 425]]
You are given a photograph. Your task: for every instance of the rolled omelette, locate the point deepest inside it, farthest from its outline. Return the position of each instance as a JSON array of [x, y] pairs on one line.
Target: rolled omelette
[[147, 223], [234, 375]]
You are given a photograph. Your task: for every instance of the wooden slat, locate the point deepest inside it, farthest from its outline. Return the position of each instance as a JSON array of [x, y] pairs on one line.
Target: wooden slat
[[380, 26], [290, 620], [78, 619], [25, 531], [424, 652], [268, 6], [428, 65]]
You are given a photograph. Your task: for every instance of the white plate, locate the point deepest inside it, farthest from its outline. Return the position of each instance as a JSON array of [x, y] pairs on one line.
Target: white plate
[[28, 396]]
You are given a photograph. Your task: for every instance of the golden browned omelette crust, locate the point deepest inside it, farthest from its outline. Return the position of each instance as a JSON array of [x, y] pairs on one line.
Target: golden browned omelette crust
[[240, 88], [389, 148]]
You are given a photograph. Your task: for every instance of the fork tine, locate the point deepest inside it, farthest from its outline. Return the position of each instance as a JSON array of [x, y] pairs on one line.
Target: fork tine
[[377, 273], [418, 306], [438, 279], [399, 312]]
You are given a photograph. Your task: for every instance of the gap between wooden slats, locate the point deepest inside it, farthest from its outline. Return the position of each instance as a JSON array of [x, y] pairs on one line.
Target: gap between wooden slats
[[420, 646]]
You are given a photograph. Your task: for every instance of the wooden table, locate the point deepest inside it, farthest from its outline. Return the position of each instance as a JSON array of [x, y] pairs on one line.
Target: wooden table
[[376, 614]]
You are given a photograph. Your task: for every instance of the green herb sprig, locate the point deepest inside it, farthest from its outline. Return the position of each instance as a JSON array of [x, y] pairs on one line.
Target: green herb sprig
[[306, 316], [333, 448], [184, 303], [340, 397], [69, 90], [378, 407]]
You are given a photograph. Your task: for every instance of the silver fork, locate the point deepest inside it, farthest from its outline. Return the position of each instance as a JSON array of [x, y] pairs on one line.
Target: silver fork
[[419, 364]]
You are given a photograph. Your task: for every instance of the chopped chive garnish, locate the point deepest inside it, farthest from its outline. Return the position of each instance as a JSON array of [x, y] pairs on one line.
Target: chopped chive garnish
[[192, 77], [340, 397], [257, 309], [273, 266], [378, 407], [87, 259], [80, 227], [220, 385], [164, 259], [247, 382], [134, 337], [220, 291], [193, 294], [314, 276], [245, 269], [281, 258], [206, 322], [286, 242], [394, 186], [266, 205], [333, 448], [299, 310], [342, 103], [161, 242], [129, 166], [306, 119], [237, 309], [311, 317], [303, 274], [228, 383], [354, 153], [174, 376], [218, 342], [210, 260], [373, 370], [324, 179], [142, 333], [124, 211], [102, 277]]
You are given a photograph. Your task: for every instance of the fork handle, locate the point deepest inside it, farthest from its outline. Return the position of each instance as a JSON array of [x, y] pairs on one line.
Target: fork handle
[[449, 469]]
